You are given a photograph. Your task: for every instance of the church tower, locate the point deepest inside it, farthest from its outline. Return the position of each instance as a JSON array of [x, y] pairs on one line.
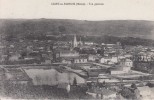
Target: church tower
[[80, 42], [75, 43]]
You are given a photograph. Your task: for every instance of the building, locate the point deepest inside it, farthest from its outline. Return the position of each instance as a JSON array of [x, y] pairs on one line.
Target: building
[[14, 57], [75, 43], [143, 64], [92, 57], [71, 60], [126, 63], [17, 76], [68, 53], [47, 61], [89, 43], [128, 56], [81, 60], [67, 60], [109, 60]]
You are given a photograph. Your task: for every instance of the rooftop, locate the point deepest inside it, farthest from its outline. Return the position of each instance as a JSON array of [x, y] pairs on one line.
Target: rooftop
[[131, 74], [17, 74]]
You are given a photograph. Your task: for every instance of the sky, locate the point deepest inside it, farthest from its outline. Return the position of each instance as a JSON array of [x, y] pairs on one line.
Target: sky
[[111, 10]]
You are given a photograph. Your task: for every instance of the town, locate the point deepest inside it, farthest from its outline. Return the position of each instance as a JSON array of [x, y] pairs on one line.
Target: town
[[76, 69]]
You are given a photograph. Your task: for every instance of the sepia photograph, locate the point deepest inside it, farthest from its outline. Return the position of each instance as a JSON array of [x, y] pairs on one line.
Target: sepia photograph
[[77, 49]]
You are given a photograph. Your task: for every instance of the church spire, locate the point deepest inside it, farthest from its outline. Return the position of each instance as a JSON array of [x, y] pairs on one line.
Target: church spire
[[75, 43]]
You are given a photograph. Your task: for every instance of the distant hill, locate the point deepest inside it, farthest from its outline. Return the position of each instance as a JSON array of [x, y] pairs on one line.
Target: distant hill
[[120, 28]]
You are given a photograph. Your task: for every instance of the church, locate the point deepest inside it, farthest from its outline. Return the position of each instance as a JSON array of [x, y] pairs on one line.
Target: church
[[77, 43]]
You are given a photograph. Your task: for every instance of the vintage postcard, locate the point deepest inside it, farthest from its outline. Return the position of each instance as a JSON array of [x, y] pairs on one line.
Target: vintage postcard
[[77, 49]]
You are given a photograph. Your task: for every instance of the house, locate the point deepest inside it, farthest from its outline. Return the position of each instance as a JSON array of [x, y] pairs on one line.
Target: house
[[102, 93], [89, 43], [47, 61], [70, 60], [14, 57], [92, 57], [61, 53], [103, 44], [68, 53], [35, 55], [126, 63], [110, 45], [121, 57], [80, 60], [106, 60], [128, 56], [67, 60]]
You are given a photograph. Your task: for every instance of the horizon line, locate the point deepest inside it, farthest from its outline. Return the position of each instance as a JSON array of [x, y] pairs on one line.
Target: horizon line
[[75, 19]]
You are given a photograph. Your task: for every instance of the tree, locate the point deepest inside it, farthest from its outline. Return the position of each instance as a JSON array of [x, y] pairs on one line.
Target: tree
[[100, 51], [104, 84], [75, 81], [61, 29], [133, 86], [127, 93], [108, 71], [150, 84], [23, 55]]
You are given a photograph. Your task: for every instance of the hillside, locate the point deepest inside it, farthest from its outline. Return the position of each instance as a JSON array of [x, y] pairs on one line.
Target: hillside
[[121, 28]]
